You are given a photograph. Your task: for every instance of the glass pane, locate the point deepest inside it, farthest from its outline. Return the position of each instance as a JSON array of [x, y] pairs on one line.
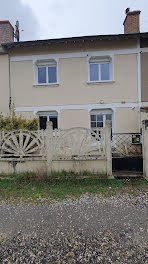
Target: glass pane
[[105, 71], [42, 122], [52, 74], [94, 73], [54, 121], [93, 117], [99, 124], [41, 74], [100, 118], [93, 124], [109, 117]]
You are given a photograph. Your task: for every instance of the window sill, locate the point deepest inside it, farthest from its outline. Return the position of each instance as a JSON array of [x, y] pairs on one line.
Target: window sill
[[45, 84], [100, 82]]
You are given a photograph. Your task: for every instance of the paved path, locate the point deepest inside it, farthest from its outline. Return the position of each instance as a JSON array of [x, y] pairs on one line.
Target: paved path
[[88, 230]]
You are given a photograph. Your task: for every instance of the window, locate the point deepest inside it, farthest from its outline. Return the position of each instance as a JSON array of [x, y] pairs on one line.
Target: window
[[99, 69], [46, 72], [44, 117], [98, 118]]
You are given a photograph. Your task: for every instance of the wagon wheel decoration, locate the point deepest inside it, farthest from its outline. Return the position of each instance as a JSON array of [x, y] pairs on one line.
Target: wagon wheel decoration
[[77, 141], [21, 143]]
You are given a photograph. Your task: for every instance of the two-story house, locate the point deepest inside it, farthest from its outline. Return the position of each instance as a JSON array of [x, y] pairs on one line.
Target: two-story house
[[75, 82]]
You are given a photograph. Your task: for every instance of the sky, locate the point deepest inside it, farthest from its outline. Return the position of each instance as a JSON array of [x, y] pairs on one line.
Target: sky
[[46, 19]]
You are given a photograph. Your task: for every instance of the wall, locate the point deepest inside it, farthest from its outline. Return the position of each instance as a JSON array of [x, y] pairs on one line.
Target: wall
[[4, 83], [27, 115], [126, 120], [74, 89], [73, 85], [144, 76], [144, 116], [73, 118], [94, 166], [73, 149]]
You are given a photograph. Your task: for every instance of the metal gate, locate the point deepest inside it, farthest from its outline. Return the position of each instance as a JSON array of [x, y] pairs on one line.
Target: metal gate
[[127, 152]]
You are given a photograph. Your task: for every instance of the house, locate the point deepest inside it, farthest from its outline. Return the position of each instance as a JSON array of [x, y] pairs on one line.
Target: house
[[144, 77], [78, 81]]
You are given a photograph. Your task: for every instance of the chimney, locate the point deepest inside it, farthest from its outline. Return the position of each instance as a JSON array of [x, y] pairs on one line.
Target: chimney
[[6, 32], [131, 22]]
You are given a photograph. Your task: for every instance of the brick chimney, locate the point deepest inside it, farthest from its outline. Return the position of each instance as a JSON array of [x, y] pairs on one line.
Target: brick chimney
[[131, 22], [6, 32]]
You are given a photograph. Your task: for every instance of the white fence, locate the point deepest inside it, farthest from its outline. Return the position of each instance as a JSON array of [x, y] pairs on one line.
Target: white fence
[[56, 145]]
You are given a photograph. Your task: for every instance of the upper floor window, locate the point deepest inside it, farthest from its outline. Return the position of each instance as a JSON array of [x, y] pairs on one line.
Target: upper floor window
[[99, 69], [47, 72]]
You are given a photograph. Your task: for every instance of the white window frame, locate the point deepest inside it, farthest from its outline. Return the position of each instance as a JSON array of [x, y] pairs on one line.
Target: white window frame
[[101, 60], [45, 63], [103, 112], [49, 114]]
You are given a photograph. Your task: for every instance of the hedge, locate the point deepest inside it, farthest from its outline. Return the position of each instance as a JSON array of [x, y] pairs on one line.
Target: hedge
[[17, 122]]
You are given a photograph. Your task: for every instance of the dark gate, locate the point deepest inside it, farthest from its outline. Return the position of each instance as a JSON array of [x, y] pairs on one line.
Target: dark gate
[[127, 152]]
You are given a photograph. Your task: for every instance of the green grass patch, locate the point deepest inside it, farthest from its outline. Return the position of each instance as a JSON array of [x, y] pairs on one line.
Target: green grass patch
[[32, 186]]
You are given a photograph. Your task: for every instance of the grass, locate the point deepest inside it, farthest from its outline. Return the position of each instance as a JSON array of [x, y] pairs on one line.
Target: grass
[[32, 187]]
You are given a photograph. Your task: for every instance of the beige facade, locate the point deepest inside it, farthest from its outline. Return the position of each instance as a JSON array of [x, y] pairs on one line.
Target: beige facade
[[126, 120], [144, 76], [74, 96], [73, 87], [4, 84], [73, 118]]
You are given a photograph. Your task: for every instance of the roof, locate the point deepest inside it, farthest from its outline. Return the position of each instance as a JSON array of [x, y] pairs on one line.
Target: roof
[[74, 40]]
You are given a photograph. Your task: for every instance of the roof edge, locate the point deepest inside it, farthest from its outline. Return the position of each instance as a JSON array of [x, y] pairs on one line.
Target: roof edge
[[74, 39]]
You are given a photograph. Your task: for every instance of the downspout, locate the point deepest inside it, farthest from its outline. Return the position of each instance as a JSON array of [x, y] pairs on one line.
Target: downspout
[[10, 98], [139, 83]]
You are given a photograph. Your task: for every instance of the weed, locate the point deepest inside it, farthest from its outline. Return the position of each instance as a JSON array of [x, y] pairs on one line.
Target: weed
[[59, 185]]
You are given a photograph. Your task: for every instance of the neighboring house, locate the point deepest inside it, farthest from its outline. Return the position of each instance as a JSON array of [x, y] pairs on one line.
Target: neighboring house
[[144, 77], [79, 81]]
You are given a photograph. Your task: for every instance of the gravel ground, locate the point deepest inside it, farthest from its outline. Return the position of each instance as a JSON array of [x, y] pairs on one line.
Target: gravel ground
[[86, 230]]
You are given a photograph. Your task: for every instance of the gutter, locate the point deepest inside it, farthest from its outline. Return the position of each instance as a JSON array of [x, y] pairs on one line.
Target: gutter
[[10, 99], [139, 83]]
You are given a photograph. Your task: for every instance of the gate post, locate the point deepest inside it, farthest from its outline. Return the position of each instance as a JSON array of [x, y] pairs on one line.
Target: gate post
[[145, 148], [108, 149], [49, 145]]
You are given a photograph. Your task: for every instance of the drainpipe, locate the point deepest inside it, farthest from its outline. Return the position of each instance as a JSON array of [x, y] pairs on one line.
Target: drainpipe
[[139, 83], [10, 98]]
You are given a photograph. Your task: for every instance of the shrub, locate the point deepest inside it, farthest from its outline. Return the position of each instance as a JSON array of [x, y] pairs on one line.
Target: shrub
[[17, 122]]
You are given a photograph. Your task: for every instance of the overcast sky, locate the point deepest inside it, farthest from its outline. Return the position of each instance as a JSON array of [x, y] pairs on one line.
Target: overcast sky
[[43, 19]]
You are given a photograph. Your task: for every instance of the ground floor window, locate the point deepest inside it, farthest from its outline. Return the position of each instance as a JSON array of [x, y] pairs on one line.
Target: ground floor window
[[44, 117], [98, 118]]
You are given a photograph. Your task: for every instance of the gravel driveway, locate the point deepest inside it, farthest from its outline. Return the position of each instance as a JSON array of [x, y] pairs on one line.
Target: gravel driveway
[[87, 230]]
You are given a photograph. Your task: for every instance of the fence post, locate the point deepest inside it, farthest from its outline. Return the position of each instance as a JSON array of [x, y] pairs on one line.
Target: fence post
[[108, 149], [145, 148], [49, 145]]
